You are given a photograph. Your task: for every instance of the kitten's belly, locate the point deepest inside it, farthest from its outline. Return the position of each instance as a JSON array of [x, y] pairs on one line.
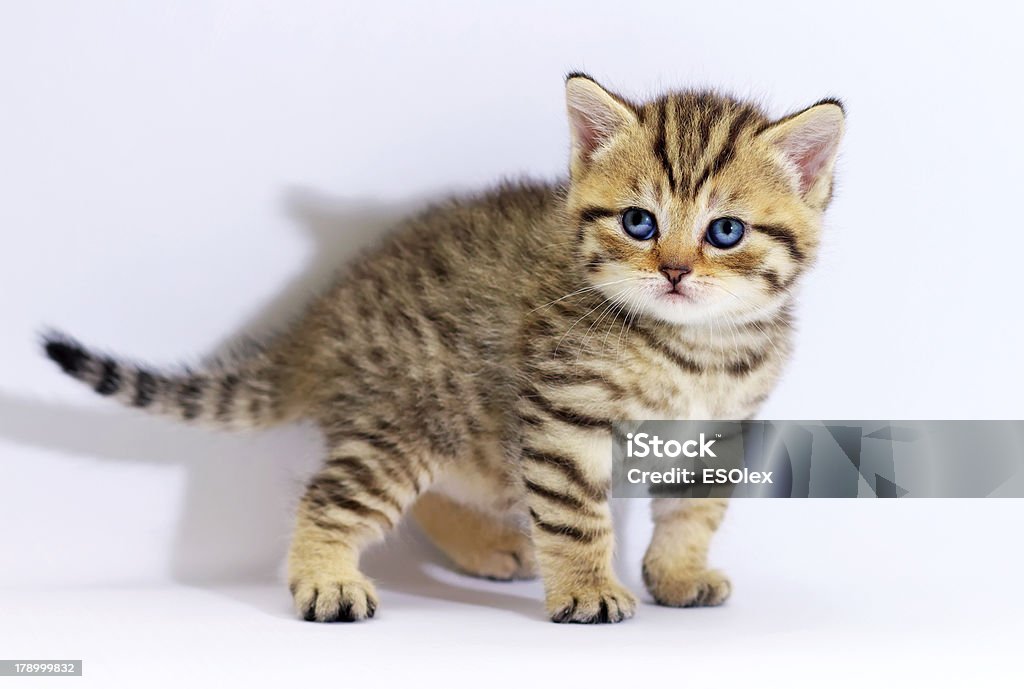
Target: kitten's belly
[[482, 479]]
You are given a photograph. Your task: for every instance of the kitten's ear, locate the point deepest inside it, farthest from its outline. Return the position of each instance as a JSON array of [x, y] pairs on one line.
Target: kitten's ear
[[808, 142], [595, 117]]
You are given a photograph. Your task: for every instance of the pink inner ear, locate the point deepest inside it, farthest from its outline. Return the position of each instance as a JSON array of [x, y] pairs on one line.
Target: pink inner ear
[[811, 142], [588, 134], [811, 160]]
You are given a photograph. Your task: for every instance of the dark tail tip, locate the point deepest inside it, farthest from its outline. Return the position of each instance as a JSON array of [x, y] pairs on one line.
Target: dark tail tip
[[68, 354]]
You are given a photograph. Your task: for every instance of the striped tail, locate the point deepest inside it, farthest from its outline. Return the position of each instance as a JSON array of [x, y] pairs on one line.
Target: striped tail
[[238, 397]]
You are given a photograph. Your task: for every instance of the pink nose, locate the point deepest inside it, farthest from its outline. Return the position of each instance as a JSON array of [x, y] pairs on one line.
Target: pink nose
[[675, 273]]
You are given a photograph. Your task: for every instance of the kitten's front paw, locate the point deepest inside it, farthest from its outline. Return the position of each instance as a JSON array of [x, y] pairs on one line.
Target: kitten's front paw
[[332, 600], [686, 588], [606, 602]]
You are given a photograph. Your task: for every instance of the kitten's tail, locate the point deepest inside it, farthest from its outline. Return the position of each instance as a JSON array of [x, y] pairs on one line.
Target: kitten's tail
[[248, 394]]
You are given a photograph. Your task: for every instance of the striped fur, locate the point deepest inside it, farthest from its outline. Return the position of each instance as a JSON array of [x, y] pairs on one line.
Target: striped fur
[[470, 367]]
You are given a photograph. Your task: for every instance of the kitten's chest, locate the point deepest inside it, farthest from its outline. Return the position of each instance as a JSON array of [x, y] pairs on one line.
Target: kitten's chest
[[668, 382], [707, 396]]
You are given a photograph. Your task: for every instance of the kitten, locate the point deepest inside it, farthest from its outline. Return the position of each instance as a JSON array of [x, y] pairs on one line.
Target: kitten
[[470, 367]]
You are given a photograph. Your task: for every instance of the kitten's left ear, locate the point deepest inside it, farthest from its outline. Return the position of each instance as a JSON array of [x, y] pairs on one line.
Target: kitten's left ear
[[596, 116], [808, 142]]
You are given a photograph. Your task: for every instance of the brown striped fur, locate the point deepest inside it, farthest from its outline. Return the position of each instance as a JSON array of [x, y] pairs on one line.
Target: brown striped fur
[[470, 366]]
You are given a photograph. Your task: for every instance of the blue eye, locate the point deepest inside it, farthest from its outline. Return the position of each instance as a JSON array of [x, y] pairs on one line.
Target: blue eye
[[725, 233], [639, 224]]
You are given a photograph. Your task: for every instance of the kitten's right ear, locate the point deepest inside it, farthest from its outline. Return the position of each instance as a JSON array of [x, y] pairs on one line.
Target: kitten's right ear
[[595, 117]]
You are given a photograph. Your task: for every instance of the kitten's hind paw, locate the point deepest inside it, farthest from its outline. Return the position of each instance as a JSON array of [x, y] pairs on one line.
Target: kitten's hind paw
[[608, 602], [687, 588], [499, 565], [330, 600]]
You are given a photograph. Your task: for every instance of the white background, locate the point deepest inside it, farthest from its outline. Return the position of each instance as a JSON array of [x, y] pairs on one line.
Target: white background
[[173, 174]]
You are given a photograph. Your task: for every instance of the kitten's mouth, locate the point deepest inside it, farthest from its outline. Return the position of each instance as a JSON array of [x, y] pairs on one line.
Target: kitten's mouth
[[676, 295], [687, 292]]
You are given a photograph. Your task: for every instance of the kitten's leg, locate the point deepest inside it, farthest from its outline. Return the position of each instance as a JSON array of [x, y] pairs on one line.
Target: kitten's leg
[[356, 499], [567, 477], [675, 566], [480, 544]]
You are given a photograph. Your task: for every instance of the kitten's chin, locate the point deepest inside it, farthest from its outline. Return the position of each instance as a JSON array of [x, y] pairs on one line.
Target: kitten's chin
[[686, 307], [693, 303], [680, 309]]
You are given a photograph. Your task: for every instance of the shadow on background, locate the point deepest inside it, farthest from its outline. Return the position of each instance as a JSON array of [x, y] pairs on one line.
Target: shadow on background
[[240, 487], [339, 230]]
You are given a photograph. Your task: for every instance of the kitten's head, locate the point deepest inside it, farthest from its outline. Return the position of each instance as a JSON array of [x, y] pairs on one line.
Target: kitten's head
[[696, 207]]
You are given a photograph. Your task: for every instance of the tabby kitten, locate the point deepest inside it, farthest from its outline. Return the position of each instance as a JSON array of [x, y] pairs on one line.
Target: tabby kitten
[[470, 367]]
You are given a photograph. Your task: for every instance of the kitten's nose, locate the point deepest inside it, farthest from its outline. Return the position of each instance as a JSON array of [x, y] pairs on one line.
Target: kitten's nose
[[675, 273]]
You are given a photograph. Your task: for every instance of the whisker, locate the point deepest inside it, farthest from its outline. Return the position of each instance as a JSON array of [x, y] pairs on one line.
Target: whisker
[[628, 324], [626, 302], [630, 302], [589, 288], [559, 343], [593, 325]]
